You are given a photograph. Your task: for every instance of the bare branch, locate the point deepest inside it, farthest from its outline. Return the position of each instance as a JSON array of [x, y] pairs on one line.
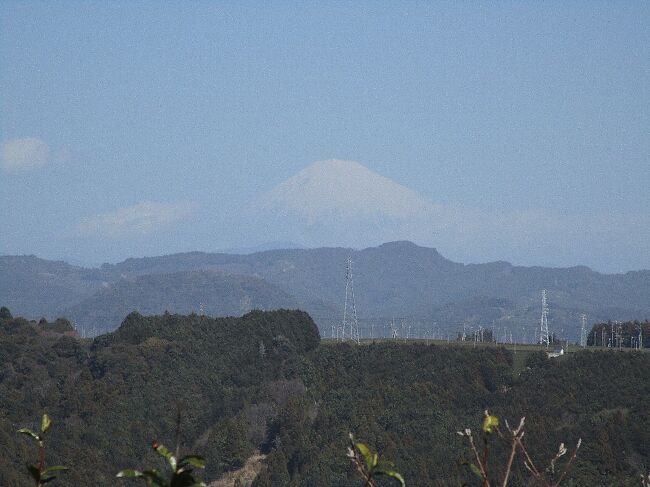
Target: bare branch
[[529, 464], [568, 465], [478, 459]]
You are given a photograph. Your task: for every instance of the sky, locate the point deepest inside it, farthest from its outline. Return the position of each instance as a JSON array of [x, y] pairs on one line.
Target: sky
[[139, 128]]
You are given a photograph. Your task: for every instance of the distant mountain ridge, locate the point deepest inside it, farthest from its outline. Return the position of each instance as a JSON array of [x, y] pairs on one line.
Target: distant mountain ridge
[[207, 292], [395, 280]]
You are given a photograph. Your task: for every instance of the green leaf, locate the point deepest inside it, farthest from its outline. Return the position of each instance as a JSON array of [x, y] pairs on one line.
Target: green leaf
[[129, 474], [391, 473], [28, 432], [57, 468], [48, 476], [385, 464], [489, 423], [154, 477], [367, 455], [45, 423], [193, 460], [164, 452], [476, 470]]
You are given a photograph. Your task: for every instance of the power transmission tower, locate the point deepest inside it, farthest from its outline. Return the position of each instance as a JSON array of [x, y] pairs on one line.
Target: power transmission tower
[[394, 334], [350, 323], [583, 330], [544, 338], [619, 336]]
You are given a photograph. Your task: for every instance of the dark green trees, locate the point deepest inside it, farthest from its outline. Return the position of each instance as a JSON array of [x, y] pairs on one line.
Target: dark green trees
[[5, 314]]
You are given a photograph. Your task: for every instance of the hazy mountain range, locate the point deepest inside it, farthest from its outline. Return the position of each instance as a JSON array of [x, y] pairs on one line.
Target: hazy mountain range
[[336, 201], [339, 203], [397, 280]]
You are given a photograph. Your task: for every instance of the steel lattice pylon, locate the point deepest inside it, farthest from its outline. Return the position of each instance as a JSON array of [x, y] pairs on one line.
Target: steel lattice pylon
[[350, 326], [544, 338]]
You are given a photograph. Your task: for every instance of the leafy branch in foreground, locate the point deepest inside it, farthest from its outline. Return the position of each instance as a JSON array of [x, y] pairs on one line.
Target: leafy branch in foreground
[[39, 472], [181, 474], [513, 437], [369, 465]]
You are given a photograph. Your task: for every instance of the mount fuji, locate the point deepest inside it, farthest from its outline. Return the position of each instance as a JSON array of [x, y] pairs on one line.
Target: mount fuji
[[345, 188], [337, 202]]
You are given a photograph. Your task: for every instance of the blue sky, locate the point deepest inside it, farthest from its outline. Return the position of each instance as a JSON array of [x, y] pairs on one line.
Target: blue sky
[[140, 128]]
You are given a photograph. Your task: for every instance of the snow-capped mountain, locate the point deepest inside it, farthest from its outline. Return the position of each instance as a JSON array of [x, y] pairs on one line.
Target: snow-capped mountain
[[345, 188], [338, 202]]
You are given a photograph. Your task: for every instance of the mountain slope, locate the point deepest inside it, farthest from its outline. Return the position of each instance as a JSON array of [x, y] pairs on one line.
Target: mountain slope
[[401, 279], [394, 280], [214, 294], [38, 287]]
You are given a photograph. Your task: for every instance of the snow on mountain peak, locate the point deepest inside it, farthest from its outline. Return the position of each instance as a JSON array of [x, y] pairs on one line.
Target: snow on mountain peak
[[344, 188]]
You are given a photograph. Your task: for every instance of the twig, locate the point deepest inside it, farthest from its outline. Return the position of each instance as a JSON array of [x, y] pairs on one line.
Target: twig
[[530, 465], [178, 429], [513, 449], [566, 467], [367, 476], [468, 433], [41, 457]]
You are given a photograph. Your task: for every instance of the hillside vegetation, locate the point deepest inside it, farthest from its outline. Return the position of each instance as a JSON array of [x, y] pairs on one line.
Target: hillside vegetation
[[208, 292], [263, 382]]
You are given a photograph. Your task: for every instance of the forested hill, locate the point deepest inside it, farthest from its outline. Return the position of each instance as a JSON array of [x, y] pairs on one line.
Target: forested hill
[[264, 381], [112, 396], [394, 280], [208, 292]]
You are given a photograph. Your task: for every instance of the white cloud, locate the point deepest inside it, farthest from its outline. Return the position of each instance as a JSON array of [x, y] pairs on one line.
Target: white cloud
[[23, 154], [140, 219]]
